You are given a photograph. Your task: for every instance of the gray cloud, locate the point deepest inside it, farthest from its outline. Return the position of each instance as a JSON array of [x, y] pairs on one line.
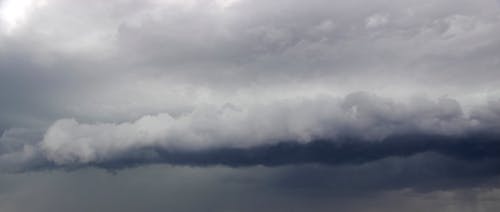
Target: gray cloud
[[109, 63], [233, 87], [359, 116], [120, 60], [358, 128]]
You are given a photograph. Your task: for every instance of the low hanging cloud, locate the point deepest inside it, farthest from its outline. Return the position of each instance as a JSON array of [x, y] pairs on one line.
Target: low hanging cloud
[[357, 128]]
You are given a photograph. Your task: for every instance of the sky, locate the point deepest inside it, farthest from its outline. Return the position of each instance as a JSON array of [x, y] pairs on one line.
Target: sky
[[244, 105]]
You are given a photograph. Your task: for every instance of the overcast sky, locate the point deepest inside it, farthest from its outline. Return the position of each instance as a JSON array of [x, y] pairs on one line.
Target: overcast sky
[[284, 99]]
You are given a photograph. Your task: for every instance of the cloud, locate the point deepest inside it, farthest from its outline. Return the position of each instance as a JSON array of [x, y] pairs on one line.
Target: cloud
[[309, 105], [376, 20], [117, 77], [358, 128], [118, 60]]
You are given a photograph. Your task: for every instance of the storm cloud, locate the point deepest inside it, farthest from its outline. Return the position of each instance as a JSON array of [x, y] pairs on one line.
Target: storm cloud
[[356, 129], [313, 92], [188, 76], [359, 117]]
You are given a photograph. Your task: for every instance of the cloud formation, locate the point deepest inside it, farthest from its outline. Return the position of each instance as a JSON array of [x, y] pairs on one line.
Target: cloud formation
[[356, 129], [359, 116], [121, 78], [249, 105], [120, 60]]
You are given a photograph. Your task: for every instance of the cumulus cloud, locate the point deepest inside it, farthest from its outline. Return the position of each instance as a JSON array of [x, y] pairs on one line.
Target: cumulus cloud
[[359, 117], [359, 127]]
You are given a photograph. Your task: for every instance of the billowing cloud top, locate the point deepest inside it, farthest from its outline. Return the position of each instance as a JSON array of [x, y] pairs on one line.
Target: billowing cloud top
[[221, 81]]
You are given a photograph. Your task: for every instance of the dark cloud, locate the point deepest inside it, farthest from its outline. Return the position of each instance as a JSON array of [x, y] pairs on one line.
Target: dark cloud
[[475, 156], [361, 118], [472, 148], [236, 86], [359, 128]]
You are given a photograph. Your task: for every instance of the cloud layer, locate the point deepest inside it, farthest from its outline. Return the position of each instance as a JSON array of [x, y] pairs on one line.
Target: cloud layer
[[249, 105], [93, 83], [355, 129], [360, 117]]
